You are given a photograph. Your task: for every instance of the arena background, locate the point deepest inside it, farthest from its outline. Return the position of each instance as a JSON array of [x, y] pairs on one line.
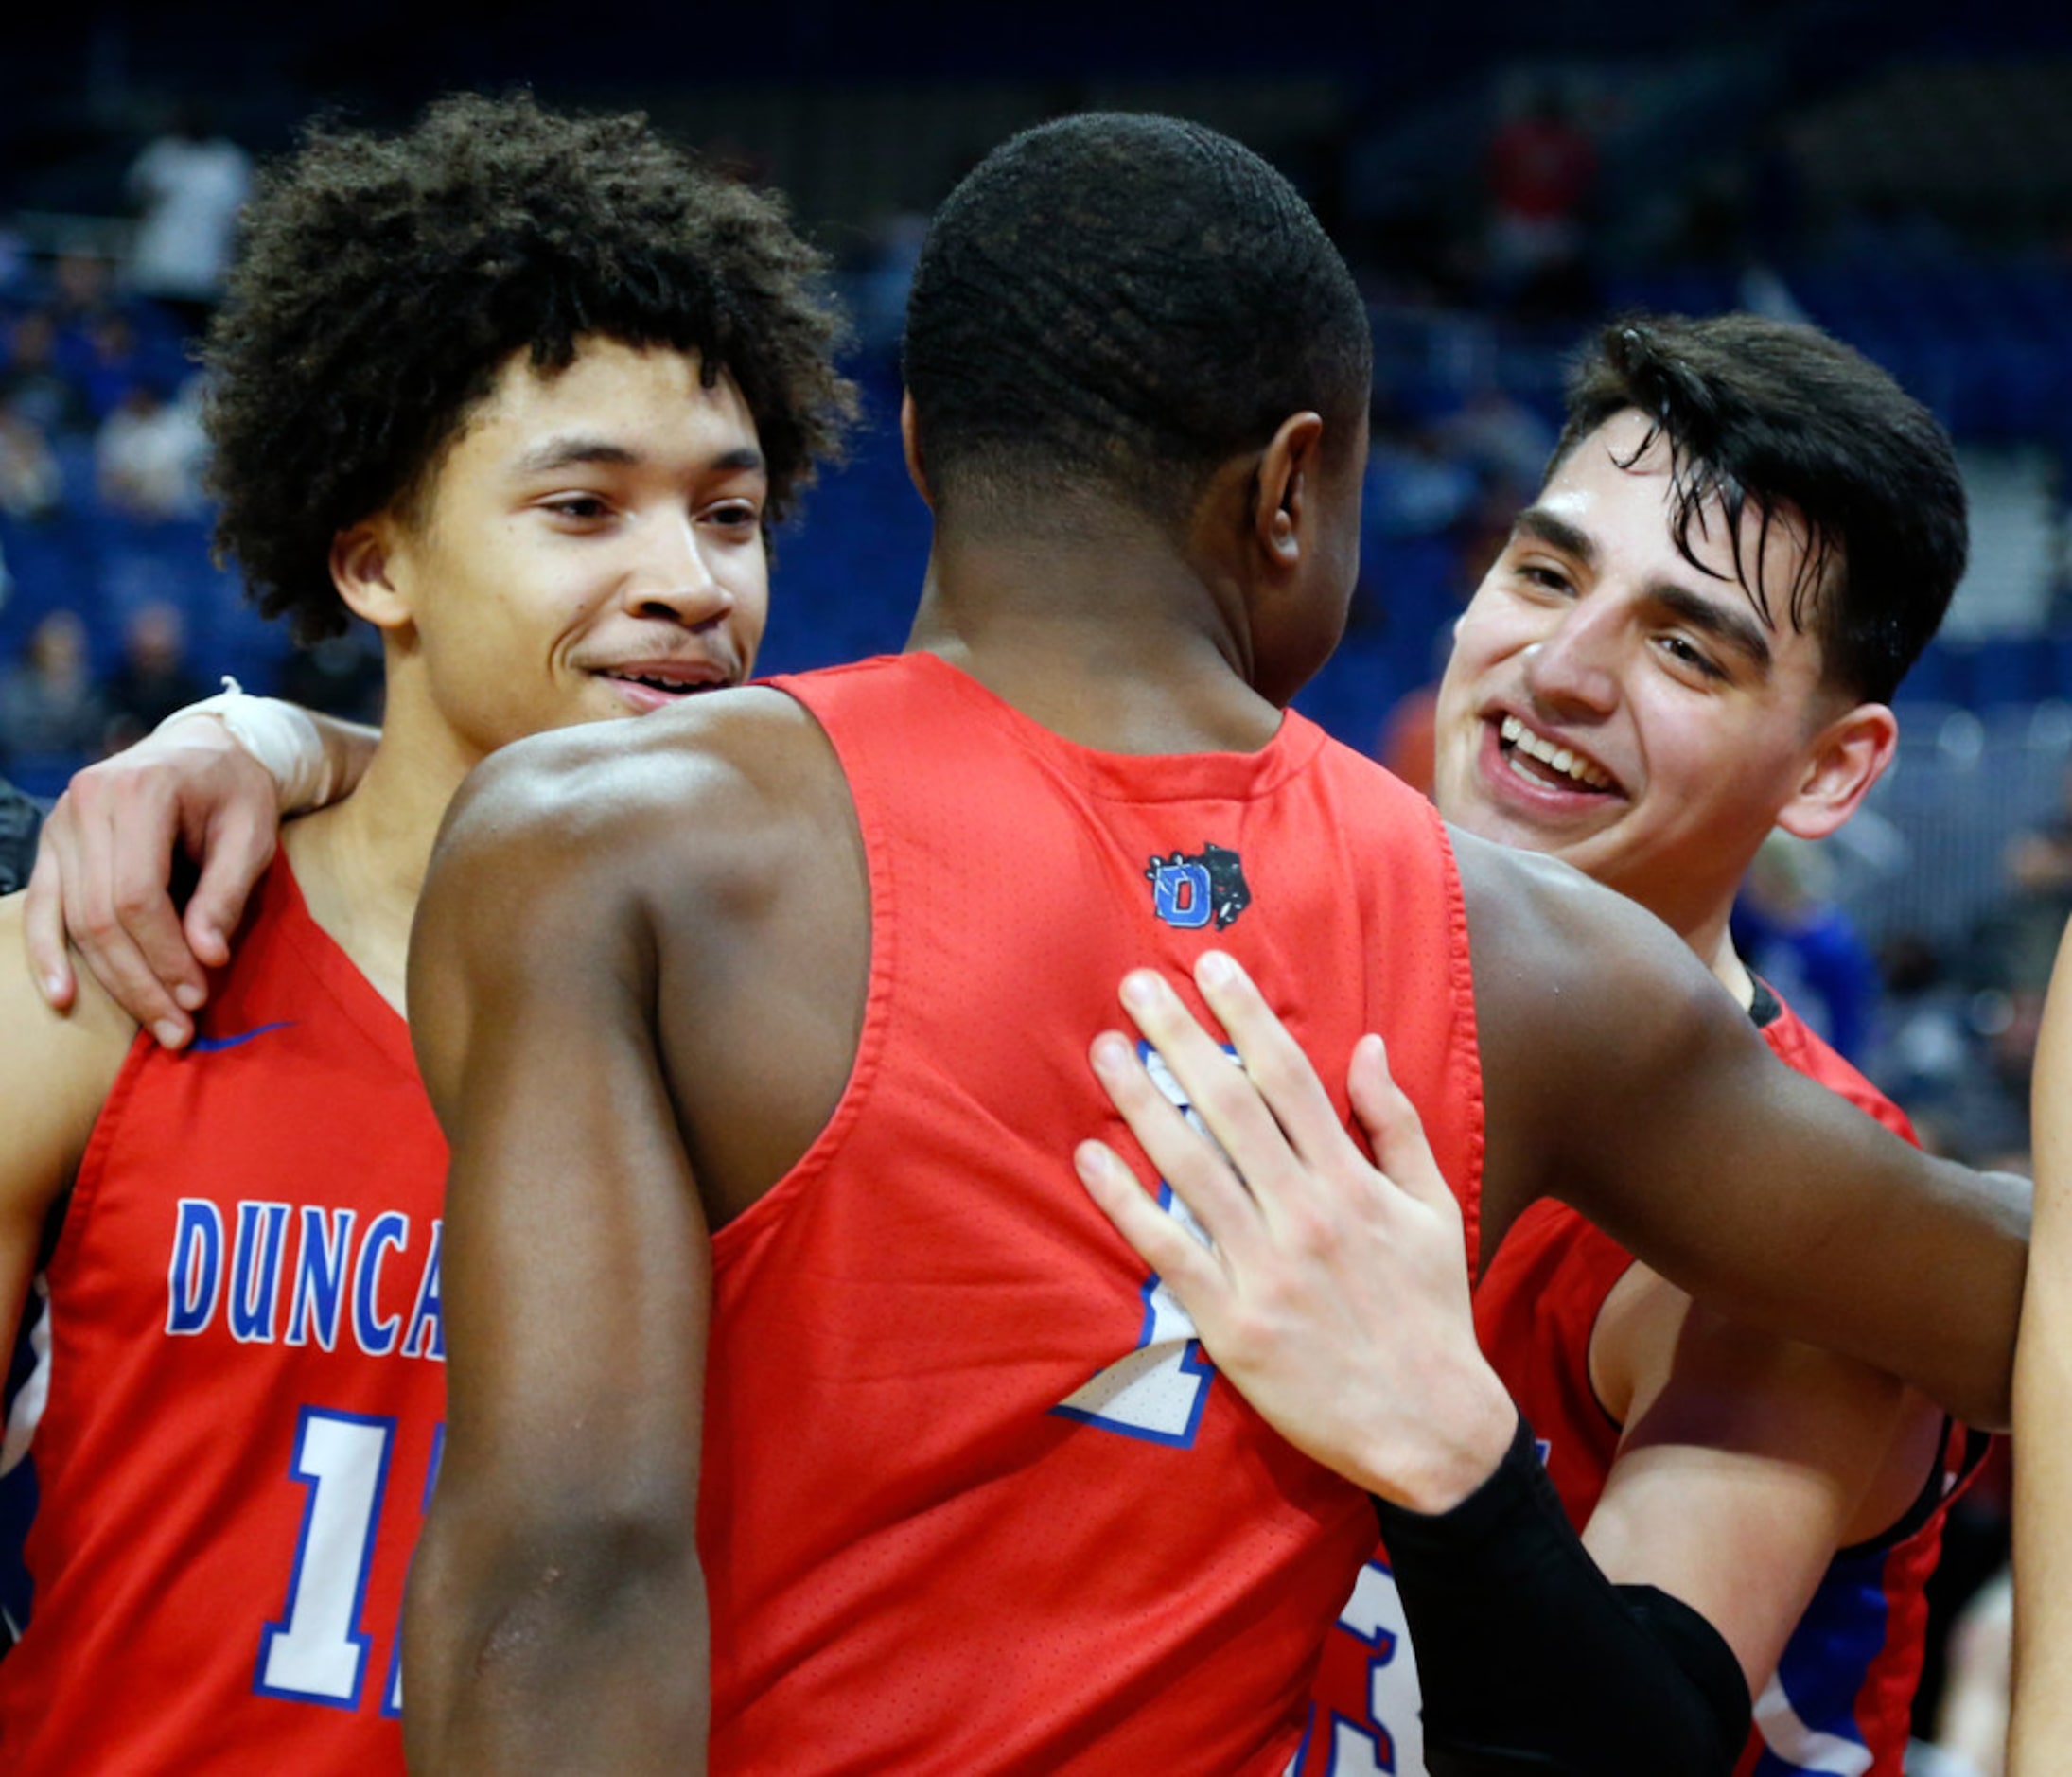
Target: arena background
[[1500, 177]]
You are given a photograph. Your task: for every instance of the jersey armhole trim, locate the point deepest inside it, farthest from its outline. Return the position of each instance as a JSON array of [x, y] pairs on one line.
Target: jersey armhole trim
[[761, 1218], [1466, 1055]]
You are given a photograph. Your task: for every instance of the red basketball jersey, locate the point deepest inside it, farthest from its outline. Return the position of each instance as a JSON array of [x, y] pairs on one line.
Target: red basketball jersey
[[1845, 1685], [974, 1499], [236, 1419]]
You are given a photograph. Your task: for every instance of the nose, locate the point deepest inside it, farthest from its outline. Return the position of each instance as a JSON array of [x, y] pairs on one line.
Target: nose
[[672, 577], [1573, 670]]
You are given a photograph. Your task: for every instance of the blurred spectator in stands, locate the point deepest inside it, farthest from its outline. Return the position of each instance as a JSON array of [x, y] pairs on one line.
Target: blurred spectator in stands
[[2025, 932], [1413, 488], [1408, 744], [19, 821], [1503, 442], [1541, 171], [32, 484], [81, 291], [340, 674], [1793, 934], [34, 385], [153, 678], [1926, 1047], [109, 362], [51, 714], [14, 259], [149, 454], [188, 186]]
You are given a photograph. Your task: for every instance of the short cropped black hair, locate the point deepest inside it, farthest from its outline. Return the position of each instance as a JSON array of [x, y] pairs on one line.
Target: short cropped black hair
[[1780, 415], [384, 280], [1122, 302]]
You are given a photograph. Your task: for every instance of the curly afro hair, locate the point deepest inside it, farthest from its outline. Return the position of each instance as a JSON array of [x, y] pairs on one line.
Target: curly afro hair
[[384, 281]]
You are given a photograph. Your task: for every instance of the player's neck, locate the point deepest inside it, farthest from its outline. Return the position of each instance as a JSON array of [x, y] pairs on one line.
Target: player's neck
[[361, 862], [1715, 944], [1118, 643]]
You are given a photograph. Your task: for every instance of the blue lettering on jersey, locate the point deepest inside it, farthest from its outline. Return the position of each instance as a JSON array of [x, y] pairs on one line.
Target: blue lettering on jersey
[[1180, 893], [319, 1277], [1189, 890], [239, 1255], [196, 1274], [377, 1334], [255, 1272]]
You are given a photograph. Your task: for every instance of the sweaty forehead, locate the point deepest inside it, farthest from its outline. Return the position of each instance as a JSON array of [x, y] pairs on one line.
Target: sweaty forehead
[[1763, 552]]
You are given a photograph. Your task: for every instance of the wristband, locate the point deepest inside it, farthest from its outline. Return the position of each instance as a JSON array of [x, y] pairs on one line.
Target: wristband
[[281, 736]]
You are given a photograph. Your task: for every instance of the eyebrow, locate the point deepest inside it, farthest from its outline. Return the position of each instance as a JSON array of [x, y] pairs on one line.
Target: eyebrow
[[1538, 523], [1731, 627], [567, 452]]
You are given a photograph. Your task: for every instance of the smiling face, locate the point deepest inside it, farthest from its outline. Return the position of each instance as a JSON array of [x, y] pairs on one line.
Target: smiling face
[[1611, 704], [591, 545]]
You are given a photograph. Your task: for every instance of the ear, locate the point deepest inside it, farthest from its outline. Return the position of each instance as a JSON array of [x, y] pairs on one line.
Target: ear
[[1283, 485], [363, 563], [1843, 760], [910, 443]]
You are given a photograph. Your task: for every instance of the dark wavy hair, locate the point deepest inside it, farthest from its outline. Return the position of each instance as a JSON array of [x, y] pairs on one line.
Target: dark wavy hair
[[1122, 302], [384, 280], [1778, 414]]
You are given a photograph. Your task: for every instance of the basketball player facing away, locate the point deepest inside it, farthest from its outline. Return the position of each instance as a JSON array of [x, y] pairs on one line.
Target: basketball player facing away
[[1746, 534], [523, 391], [759, 1319]]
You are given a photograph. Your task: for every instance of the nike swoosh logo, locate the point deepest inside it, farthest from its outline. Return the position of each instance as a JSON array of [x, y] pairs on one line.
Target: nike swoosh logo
[[208, 1046]]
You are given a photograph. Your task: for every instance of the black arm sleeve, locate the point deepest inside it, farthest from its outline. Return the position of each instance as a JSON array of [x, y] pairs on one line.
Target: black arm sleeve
[[1532, 1662]]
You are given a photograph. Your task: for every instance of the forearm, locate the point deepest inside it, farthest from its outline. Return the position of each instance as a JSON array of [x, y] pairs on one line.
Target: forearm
[[2041, 1725], [571, 1659], [1530, 1661], [314, 759], [2042, 1387]]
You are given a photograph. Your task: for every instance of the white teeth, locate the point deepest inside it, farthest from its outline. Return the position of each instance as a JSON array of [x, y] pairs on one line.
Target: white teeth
[[1557, 758]]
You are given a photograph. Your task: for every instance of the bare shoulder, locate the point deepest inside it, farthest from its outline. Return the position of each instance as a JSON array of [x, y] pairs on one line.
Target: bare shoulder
[[56, 1068], [1543, 934], [705, 792], [1588, 1009], [607, 854]]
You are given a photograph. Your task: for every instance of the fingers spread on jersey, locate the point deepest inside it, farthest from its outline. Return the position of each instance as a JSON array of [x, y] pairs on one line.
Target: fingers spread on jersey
[[1225, 1109], [1394, 1130], [1286, 1079], [1190, 1268], [1187, 1161]]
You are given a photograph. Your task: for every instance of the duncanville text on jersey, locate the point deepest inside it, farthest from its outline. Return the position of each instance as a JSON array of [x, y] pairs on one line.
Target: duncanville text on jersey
[[306, 1274]]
